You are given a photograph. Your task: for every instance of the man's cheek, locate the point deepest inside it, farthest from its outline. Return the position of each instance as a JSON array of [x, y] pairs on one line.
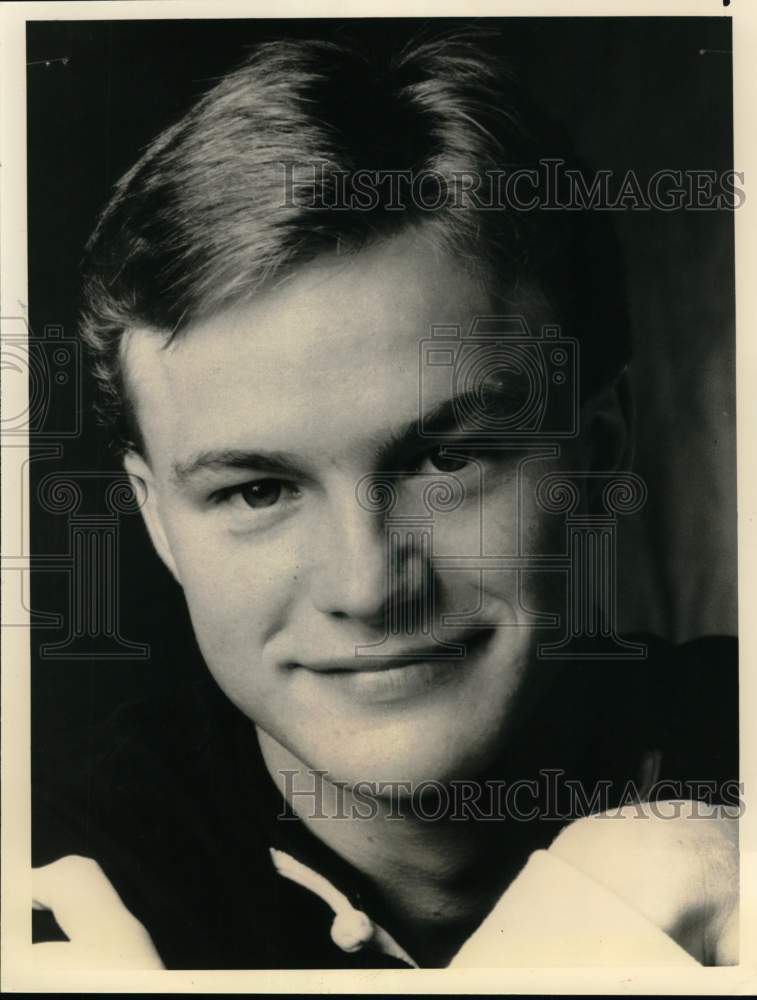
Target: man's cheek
[[525, 531], [223, 604], [485, 524], [230, 635]]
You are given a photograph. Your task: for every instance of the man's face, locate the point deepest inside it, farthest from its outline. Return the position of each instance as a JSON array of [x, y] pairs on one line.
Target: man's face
[[261, 426]]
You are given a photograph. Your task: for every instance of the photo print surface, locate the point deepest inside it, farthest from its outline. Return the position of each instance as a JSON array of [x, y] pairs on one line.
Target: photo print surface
[[382, 501]]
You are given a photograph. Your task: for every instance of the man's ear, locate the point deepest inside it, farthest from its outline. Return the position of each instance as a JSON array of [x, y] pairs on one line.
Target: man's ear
[[607, 428], [144, 486]]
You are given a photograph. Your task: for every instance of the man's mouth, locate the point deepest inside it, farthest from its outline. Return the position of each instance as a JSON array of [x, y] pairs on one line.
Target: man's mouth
[[400, 673], [389, 658]]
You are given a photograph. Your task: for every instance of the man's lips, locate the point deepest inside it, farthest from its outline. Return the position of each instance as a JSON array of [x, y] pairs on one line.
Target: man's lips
[[399, 657]]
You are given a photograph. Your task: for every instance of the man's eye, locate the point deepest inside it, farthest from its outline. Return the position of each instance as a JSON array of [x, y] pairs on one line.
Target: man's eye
[[446, 463], [261, 493]]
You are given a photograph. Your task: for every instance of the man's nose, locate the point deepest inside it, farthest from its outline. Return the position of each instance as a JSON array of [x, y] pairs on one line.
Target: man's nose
[[368, 571]]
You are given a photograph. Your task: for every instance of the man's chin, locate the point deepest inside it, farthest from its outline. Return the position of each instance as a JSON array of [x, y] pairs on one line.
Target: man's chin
[[398, 767]]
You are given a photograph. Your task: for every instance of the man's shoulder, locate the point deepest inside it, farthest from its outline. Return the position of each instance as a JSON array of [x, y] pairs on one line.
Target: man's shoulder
[[651, 884], [676, 862], [168, 802]]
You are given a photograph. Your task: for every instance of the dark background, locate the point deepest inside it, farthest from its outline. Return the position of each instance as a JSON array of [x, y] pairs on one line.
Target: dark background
[[637, 93]]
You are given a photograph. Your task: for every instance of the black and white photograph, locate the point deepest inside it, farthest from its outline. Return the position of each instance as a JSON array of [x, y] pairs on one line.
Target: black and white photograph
[[373, 570]]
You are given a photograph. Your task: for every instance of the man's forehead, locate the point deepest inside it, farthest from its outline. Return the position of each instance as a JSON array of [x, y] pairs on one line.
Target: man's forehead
[[279, 410], [338, 350], [403, 284], [251, 367]]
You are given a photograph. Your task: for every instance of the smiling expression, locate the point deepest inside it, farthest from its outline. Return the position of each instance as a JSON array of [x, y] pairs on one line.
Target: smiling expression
[[260, 424]]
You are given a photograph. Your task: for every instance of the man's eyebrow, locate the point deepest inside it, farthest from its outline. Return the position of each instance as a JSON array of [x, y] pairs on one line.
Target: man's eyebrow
[[442, 420], [275, 462]]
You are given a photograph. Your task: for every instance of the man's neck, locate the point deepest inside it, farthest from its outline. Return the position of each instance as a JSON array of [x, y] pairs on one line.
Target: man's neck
[[434, 879]]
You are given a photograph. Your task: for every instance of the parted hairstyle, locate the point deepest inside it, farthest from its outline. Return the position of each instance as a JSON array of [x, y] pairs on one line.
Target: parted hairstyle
[[209, 216]]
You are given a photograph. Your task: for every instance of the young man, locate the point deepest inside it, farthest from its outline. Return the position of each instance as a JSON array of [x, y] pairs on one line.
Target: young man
[[354, 367]]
